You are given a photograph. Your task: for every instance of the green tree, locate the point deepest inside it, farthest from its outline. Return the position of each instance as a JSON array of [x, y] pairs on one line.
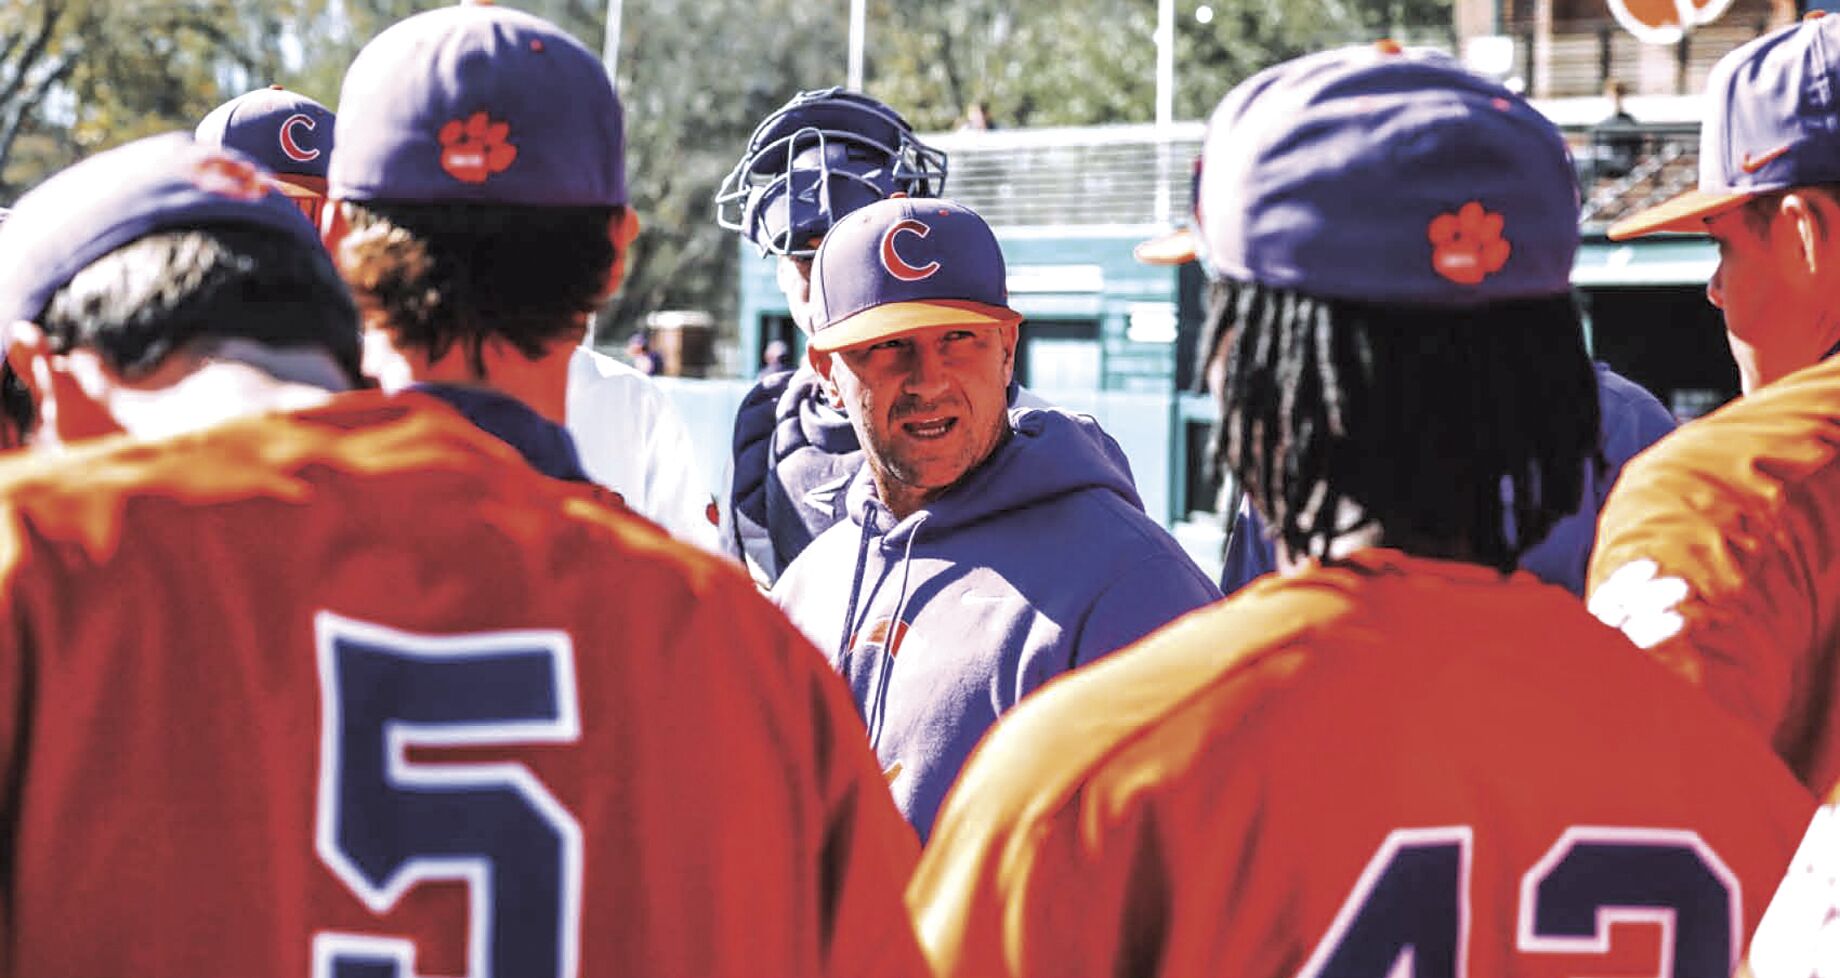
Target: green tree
[[1092, 62], [79, 76], [1070, 63], [1246, 36], [33, 62], [696, 79]]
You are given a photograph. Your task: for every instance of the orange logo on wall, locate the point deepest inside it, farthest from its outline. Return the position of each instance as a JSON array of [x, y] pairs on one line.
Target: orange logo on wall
[[1467, 247], [1664, 21]]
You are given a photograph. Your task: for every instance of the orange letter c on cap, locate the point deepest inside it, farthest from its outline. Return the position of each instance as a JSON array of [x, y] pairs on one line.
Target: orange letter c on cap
[[892, 260]]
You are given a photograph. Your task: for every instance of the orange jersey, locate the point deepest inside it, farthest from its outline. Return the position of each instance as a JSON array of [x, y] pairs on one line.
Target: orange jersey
[[356, 691], [1719, 552], [1387, 760]]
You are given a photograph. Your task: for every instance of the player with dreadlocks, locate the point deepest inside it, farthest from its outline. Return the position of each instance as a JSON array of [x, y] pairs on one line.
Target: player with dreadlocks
[[1629, 420], [1334, 430], [1400, 754]]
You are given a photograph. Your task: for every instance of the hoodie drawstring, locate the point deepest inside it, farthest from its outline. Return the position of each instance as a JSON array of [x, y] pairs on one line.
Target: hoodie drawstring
[[885, 668], [849, 609]]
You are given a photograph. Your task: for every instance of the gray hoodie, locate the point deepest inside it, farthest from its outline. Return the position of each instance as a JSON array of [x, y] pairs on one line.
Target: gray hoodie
[[1041, 560]]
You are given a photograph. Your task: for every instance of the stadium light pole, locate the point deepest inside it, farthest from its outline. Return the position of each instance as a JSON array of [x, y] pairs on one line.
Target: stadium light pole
[[1165, 102], [610, 40], [857, 29], [1165, 63]]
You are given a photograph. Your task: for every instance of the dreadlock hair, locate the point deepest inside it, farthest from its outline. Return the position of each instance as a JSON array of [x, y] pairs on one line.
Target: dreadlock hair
[[437, 275], [1456, 433]]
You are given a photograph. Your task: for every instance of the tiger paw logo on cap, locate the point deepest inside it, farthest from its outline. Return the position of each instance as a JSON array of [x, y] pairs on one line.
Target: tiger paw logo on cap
[[1467, 247], [227, 177], [476, 148]]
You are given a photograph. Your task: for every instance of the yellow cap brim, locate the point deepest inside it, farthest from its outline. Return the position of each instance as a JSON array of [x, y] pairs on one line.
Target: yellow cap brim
[[879, 323], [1686, 213], [1175, 248]]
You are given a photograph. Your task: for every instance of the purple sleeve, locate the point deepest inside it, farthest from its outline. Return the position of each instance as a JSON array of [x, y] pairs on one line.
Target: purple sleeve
[[1153, 593], [1250, 554], [1633, 419]]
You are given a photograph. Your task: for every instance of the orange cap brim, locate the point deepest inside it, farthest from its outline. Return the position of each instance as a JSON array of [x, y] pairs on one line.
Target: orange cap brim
[[1174, 248], [1686, 213], [299, 185], [879, 323]]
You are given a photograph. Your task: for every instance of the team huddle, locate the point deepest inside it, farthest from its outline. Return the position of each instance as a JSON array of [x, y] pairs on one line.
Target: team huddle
[[356, 620]]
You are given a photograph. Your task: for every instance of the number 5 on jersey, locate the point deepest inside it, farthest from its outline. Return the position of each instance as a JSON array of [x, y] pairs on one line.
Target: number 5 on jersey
[[385, 824]]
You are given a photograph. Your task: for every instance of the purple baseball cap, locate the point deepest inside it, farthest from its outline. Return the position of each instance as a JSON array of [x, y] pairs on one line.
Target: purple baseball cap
[[160, 183], [287, 133], [1773, 123], [906, 264], [479, 104], [1382, 175]]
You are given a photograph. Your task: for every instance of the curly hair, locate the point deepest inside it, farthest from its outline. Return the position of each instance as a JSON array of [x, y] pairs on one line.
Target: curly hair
[[1460, 433], [441, 275], [141, 302]]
